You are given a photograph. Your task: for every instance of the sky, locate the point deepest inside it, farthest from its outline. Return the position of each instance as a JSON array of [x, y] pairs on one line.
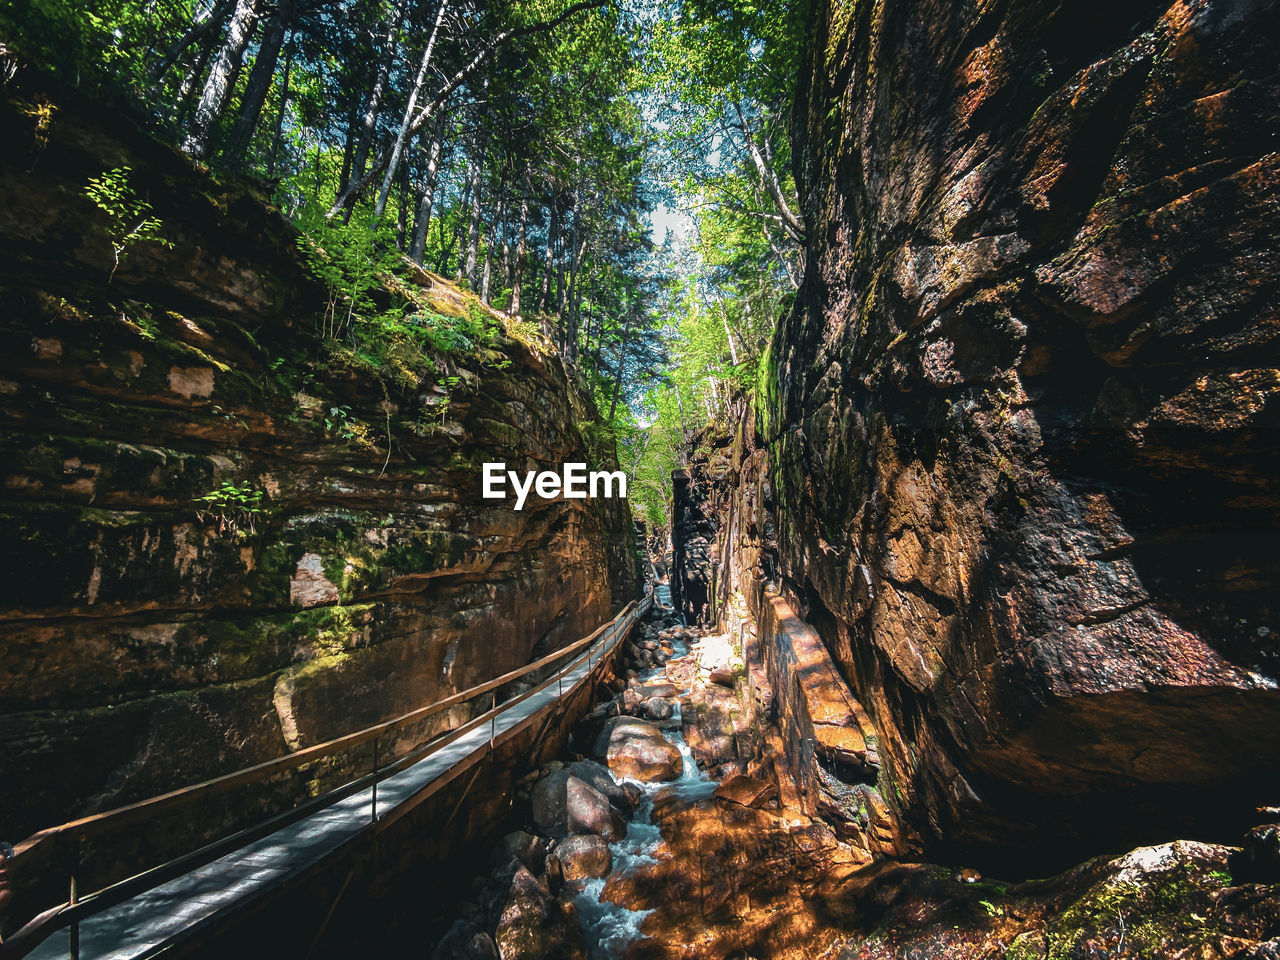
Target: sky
[[664, 219]]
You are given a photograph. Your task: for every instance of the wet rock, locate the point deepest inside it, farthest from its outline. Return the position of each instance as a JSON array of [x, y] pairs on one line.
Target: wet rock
[[529, 923], [658, 708], [583, 857], [657, 689], [597, 776], [522, 846], [563, 804], [712, 721], [1258, 860], [633, 792], [637, 749], [722, 675]]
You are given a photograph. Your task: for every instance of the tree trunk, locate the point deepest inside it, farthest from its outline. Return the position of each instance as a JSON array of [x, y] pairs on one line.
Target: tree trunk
[[575, 306], [402, 211], [486, 273], [460, 229], [517, 270], [259, 85], [348, 153], [468, 263], [221, 77], [191, 82], [622, 357], [373, 104], [553, 227], [205, 27], [278, 137], [428, 197], [576, 250], [410, 109], [794, 225]]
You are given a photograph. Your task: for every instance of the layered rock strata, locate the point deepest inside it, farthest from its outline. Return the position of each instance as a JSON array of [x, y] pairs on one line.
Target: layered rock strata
[[225, 541]]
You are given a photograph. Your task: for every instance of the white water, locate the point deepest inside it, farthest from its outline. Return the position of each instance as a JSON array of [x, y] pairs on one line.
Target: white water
[[607, 927]]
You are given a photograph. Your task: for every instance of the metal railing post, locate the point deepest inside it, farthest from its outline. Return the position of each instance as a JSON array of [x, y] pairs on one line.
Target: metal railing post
[[373, 806], [73, 941], [493, 720]]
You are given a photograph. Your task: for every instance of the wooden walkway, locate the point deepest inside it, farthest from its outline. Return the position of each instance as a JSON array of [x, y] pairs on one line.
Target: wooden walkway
[[198, 901]]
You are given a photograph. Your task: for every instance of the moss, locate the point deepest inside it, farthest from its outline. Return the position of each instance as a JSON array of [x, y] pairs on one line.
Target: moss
[[1165, 910], [1026, 946], [765, 399]]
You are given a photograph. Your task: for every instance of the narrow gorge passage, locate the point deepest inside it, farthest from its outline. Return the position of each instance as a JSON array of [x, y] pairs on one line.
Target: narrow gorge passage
[[921, 358]]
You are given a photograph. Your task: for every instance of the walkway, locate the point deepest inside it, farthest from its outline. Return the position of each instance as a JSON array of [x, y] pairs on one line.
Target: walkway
[[175, 911]]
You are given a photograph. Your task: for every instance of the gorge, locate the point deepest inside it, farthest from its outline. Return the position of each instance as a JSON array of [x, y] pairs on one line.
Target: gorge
[[947, 416]]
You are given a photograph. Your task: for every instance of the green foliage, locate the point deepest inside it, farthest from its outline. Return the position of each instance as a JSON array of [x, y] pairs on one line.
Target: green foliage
[[235, 508], [129, 220], [102, 44], [350, 259], [377, 314]]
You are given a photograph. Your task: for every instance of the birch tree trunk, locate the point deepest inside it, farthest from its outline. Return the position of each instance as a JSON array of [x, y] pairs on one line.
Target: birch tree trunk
[[217, 87], [410, 109], [794, 225]]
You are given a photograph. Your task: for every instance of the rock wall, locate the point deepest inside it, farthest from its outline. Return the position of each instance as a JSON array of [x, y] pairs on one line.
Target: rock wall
[[153, 639], [1018, 436]]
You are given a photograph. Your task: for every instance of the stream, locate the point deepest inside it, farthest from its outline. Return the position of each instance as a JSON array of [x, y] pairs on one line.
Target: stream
[[609, 928]]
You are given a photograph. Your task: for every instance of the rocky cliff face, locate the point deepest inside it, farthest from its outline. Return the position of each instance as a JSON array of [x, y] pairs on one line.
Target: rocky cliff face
[[153, 638], [1019, 434]]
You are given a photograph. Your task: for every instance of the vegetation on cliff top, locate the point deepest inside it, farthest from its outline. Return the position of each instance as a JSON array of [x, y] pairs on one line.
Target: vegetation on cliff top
[[532, 151]]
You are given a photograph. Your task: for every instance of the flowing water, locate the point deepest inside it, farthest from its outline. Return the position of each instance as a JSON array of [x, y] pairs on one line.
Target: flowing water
[[607, 927]]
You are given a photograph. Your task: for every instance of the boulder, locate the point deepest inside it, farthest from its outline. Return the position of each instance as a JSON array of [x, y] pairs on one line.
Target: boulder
[[658, 708], [563, 804], [637, 749], [583, 857], [528, 922], [522, 846], [465, 941], [598, 777], [722, 676], [660, 689]]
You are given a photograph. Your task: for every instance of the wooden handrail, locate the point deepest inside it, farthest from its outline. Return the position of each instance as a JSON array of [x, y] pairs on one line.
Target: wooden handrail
[[63, 914], [39, 927], [261, 771]]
